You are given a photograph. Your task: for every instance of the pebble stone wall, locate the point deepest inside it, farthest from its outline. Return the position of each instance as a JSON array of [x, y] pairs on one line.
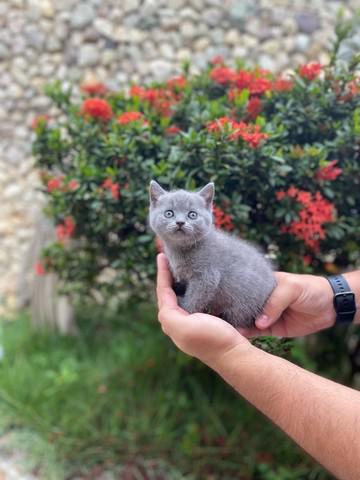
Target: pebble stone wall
[[117, 41]]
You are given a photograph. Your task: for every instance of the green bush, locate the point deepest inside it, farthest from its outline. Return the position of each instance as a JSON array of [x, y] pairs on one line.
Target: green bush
[[282, 151]]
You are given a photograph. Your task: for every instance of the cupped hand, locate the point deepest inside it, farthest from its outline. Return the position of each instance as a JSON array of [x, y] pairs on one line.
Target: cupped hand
[[199, 335], [299, 305]]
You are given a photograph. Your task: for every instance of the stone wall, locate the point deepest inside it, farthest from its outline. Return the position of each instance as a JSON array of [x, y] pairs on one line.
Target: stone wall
[[117, 41]]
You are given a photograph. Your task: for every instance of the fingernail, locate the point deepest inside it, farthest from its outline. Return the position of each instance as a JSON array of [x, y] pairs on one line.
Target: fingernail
[[262, 321]]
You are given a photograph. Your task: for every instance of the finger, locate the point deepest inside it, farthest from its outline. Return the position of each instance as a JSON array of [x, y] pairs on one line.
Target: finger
[[164, 291], [284, 295]]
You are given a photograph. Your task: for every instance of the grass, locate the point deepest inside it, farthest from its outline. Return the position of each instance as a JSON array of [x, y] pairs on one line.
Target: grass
[[120, 396]]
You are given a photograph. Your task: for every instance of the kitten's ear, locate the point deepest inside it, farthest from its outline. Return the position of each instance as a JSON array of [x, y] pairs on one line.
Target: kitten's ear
[[155, 192], [208, 194]]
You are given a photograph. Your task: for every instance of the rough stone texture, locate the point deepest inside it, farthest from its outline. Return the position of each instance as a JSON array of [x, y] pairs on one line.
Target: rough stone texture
[[117, 42]]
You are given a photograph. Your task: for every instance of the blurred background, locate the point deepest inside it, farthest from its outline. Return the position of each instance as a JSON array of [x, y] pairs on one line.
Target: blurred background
[[117, 43]]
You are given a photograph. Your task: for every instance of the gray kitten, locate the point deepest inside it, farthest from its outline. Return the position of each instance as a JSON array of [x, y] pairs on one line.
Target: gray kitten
[[222, 275]]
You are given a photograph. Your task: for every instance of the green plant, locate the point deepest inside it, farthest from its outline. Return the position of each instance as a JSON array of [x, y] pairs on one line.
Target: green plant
[[282, 151], [115, 398]]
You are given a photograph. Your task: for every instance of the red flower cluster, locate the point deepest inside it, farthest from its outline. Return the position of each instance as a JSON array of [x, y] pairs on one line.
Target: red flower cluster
[[108, 184], [54, 184], [310, 71], [250, 133], [254, 108], [96, 108], [260, 85], [65, 230], [329, 172], [315, 213], [172, 130], [40, 121], [282, 85], [220, 124], [223, 75], [177, 82], [222, 219], [161, 99], [95, 88], [129, 117], [257, 81], [57, 184]]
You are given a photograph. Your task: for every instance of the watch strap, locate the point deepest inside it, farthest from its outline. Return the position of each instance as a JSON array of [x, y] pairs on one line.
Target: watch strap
[[344, 299]]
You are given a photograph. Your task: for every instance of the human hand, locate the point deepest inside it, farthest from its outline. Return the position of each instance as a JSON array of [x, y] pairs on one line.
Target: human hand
[[200, 335], [299, 305]]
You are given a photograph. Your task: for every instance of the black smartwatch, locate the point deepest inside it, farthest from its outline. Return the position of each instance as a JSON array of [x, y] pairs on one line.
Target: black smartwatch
[[344, 299]]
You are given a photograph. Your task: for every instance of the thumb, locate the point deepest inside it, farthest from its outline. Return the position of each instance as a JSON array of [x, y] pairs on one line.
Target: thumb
[[284, 295]]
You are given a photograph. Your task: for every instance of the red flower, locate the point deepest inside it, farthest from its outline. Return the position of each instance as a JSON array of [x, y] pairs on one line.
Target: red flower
[[220, 124], [177, 82], [242, 79], [40, 121], [115, 191], [329, 172], [73, 185], [248, 132], [172, 130], [96, 88], [39, 269], [161, 99], [292, 192], [304, 197], [282, 85], [280, 194], [129, 117], [54, 184], [108, 184], [254, 108], [96, 108], [222, 75], [217, 60], [259, 86], [310, 71], [65, 230], [222, 219], [315, 213]]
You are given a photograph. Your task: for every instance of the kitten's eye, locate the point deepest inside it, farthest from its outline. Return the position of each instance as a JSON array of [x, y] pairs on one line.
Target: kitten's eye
[[169, 213], [192, 215]]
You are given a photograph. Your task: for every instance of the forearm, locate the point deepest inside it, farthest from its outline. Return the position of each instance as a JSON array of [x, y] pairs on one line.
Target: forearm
[[353, 279], [320, 415]]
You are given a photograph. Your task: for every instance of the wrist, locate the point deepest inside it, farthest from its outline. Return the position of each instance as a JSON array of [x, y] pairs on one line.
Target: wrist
[[240, 357]]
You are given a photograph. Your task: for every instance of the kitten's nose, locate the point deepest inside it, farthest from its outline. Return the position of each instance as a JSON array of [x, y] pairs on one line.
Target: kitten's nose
[[180, 224]]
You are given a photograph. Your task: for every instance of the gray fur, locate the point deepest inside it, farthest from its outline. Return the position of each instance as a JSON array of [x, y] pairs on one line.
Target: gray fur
[[224, 276]]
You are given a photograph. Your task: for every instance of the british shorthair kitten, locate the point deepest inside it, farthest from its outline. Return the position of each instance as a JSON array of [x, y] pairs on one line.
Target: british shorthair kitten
[[222, 275]]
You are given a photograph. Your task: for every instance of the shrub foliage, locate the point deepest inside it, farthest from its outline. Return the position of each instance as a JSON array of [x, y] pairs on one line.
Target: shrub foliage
[[283, 152]]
